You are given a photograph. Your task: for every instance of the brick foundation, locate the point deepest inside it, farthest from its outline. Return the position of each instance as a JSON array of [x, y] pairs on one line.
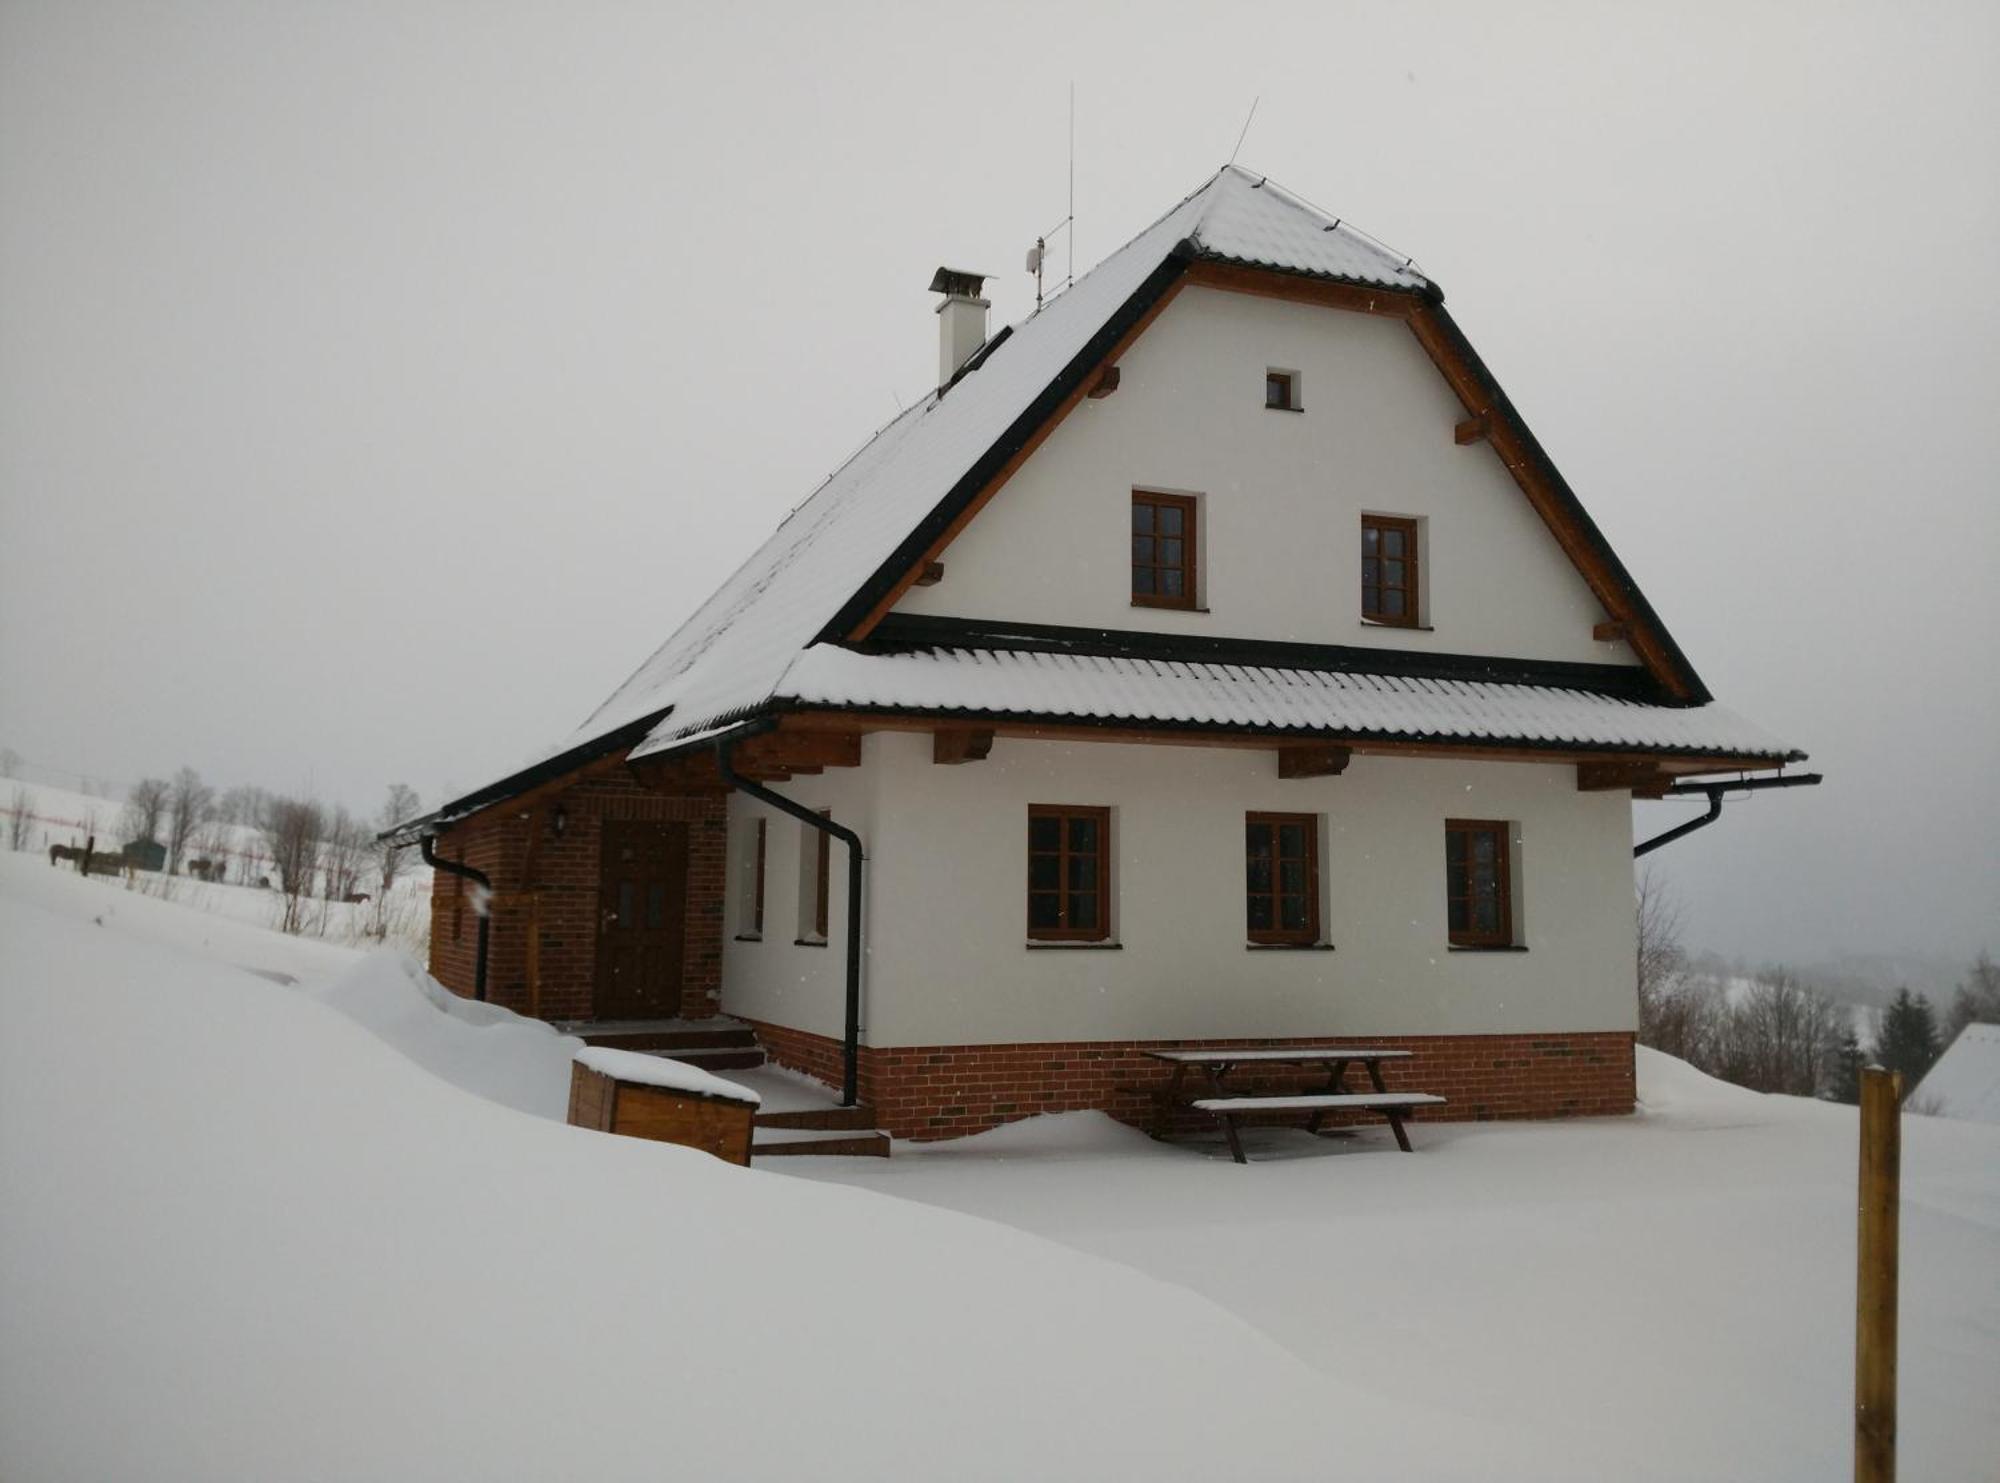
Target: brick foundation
[[560, 903], [947, 1091]]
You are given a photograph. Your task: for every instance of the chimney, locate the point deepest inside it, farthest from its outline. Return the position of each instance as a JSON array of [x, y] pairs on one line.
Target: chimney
[[961, 319]]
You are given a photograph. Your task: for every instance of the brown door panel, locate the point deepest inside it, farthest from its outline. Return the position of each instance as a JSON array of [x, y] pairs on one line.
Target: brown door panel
[[641, 920]]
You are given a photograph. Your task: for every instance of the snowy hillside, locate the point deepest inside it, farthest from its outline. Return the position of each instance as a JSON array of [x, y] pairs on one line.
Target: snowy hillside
[[271, 1208]]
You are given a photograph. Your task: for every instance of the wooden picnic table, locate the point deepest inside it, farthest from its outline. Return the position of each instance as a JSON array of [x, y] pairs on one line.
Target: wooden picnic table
[[1213, 1066]]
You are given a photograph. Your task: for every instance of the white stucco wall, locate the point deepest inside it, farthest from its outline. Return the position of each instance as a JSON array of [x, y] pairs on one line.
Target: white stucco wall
[[1282, 496], [947, 959]]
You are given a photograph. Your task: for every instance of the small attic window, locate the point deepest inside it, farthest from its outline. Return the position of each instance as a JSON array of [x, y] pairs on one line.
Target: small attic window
[[1281, 391]]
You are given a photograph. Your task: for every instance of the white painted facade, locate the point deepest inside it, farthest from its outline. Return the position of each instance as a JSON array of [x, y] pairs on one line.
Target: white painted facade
[[1281, 496], [947, 958]]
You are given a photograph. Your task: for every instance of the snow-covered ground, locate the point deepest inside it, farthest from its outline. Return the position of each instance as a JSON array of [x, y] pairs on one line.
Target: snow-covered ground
[[253, 1224]]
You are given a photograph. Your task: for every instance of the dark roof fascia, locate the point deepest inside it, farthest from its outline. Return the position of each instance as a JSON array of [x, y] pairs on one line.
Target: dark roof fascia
[[628, 735], [1698, 692], [1277, 734], [1017, 435], [905, 631]]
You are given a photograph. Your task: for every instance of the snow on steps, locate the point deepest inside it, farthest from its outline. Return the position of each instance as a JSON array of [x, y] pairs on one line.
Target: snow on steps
[[717, 1045]]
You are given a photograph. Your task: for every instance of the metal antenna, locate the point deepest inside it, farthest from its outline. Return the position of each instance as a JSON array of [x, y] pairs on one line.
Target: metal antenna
[[1070, 276], [1039, 252], [1246, 129]]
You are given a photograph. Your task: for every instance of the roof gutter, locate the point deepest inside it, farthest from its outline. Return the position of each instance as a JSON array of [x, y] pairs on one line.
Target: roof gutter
[[482, 904], [850, 1046], [1715, 792]]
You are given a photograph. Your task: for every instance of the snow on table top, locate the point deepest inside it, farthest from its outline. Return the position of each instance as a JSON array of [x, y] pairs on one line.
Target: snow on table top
[[1101, 687], [1965, 1082], [658, 1071], [1295, 1053], [1309, 1102]]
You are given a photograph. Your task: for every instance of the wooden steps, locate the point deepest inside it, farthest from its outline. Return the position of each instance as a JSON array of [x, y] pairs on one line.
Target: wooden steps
[[726, 1045], [769, 1143]]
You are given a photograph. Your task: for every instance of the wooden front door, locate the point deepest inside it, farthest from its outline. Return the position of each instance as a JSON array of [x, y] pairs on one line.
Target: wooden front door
[[641, 920]]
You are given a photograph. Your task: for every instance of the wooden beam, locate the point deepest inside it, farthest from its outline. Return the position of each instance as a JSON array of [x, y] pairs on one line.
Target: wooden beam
[[1611, 632], [931, 575], [1613, 777], [1472, 430], [1105, 384], [955, 744], [1313, 761]]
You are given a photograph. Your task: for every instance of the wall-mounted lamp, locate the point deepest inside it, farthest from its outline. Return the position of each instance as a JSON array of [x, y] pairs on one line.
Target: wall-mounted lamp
[[559, 821]]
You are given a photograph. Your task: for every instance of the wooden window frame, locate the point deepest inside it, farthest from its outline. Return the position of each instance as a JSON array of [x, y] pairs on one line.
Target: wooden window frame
[[1503, 879], [1371, 597], [1276, 935], [1189, 566], [1064, 812], [1290, 401]]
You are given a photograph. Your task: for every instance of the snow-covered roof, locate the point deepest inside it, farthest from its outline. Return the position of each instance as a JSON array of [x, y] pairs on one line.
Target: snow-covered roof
[[659, 1071], [1965, 1082], [757, 639], [1098, 688], [730, 657]]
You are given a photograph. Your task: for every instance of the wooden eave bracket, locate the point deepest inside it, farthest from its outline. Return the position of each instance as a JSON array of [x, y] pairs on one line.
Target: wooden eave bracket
[[1647, 779], [1472, 430], [953, 745], [1315, 761], [931, 575], [1611, 631], [1104, 385]]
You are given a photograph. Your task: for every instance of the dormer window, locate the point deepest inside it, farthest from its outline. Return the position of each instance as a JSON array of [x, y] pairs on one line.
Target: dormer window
[[1389, 591], [1281, 391]]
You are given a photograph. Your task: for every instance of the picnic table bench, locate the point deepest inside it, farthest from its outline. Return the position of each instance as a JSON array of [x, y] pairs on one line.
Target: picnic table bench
[[1213, 1067]]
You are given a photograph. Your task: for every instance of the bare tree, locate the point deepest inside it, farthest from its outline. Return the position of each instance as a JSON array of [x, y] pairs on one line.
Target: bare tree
[[291, 828], [1680, 1011], [1977, 999], [399, 807], [242, 804], [145, 808], [343, 852], [19, 818], [1782, 1037], [190, 800], [10, 763]]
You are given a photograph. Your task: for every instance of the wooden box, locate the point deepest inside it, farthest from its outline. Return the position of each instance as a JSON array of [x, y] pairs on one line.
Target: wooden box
[[716, 1125]]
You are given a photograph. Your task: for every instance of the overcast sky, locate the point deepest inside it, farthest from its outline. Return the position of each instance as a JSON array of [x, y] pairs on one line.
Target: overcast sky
[[380, 384]]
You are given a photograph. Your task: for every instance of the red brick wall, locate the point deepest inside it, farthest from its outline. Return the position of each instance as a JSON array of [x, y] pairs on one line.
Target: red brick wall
[[946, 1091], [565, 881]]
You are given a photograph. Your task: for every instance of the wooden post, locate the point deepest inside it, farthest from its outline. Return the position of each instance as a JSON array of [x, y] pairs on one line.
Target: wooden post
[[89, 849], [1875, 1278]]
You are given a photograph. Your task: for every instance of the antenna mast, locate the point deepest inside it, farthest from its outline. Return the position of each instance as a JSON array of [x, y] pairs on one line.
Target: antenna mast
[[1038, 254]]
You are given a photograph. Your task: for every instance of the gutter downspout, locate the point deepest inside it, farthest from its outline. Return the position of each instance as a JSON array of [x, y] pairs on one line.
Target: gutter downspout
[[1715, 792], [850, 1052], [479, 879]]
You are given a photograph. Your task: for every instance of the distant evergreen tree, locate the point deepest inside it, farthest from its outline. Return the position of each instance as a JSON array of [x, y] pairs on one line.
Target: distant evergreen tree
[[1848, 1060], [1907, 1040]]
